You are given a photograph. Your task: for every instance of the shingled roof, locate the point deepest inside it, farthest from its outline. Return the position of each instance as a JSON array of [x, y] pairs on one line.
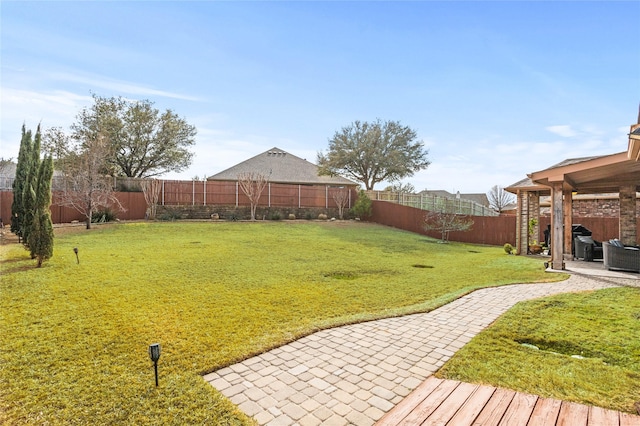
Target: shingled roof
[[281, 167]]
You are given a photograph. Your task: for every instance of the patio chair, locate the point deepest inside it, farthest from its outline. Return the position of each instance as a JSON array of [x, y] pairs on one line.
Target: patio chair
[[617, 256], [587, 249]]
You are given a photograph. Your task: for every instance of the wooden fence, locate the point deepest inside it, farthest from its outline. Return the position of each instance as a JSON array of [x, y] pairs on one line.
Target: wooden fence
[[200, 193], [486, 230], [228, 193], [133, 202], [491, 230]]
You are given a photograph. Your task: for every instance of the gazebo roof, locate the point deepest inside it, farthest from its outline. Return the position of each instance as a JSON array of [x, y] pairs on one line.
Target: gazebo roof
[[634, 142], [571, 161], [600, 174], [526, 184]]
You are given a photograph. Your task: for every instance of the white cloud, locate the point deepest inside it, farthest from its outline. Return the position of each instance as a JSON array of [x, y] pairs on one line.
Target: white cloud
[[119, 86], [55, 108], [562, 130]]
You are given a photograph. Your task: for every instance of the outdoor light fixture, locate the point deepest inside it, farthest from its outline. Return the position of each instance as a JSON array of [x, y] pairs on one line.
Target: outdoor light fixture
[[154, 354], [75, 250]]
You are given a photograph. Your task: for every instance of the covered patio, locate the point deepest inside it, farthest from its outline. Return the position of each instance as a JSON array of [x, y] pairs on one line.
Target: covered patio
[[616, 173]]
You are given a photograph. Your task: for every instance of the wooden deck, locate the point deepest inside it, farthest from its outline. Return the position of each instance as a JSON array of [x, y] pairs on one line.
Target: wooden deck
[[448, 402]]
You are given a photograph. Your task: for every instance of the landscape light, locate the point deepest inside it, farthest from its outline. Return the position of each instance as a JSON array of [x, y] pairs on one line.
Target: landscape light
[[75, 250], [154, 354]]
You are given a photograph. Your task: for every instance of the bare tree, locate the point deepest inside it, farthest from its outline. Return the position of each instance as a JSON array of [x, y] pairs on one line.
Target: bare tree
[[398, 186], [341, 197], [86, 188], [446, 222], [151, 190], [252, 184], [5, 163], [499, 199]]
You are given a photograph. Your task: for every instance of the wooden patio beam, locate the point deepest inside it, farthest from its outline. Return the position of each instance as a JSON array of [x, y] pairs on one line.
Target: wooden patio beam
[[557, 225]]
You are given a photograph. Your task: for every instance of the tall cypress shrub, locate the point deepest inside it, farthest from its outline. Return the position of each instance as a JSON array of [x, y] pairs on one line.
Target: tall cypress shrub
[[29, 190], [41, 235], [20, 182]]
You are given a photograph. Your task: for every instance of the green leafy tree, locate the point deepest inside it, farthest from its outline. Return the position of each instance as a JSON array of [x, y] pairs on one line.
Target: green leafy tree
[[143, 141], [41, 235], [20, 182], [362, 207], [374, 152]]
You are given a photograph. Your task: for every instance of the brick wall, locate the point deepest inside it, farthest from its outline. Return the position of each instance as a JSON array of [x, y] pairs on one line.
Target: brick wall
[[604, 207]]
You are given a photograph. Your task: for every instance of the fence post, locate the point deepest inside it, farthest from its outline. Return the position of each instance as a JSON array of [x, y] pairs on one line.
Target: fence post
[[269, 192], [299, 195], [236, 193], [204, 188], [326, 196], [163, 192]]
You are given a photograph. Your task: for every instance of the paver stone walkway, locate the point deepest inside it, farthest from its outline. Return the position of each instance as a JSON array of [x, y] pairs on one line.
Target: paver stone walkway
[[356, 373]]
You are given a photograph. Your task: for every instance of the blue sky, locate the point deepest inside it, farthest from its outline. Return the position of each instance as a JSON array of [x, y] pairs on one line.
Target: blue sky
[[495, 90]]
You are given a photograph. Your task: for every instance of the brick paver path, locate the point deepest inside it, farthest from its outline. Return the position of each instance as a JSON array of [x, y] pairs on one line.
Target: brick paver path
[[355, 374]]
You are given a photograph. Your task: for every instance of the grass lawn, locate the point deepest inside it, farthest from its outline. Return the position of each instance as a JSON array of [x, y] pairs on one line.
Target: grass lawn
[[74, 341], [588, 349]]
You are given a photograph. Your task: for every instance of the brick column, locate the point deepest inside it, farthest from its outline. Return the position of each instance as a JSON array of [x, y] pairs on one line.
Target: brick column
[[628, 231]]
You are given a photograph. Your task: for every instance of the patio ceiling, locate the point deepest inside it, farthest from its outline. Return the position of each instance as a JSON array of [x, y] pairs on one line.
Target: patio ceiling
[[594, 174]]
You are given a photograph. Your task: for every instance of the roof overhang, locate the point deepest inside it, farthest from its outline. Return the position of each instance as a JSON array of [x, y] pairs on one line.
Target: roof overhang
[[634, 143], [527, 185], [596, 175]]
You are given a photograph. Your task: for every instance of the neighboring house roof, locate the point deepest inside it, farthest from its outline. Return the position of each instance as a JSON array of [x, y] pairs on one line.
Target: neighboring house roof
[[481, 199], [439, 193], [281, 167]]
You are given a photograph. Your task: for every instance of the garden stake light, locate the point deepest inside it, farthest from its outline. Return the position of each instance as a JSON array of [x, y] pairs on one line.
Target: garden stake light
[[154, 354], [75, 250]]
